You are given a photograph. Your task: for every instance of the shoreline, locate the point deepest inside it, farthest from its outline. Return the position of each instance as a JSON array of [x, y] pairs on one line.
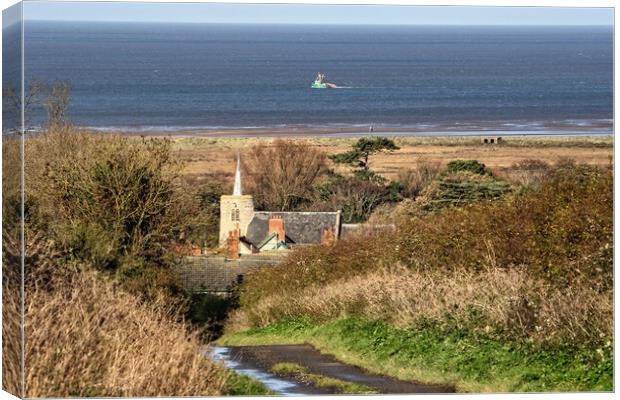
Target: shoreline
[[600, 128], [346, 132]]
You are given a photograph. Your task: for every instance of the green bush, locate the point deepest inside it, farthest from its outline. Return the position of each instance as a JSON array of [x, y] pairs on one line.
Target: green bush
[[472, 166], [460, 188], [462, 182]]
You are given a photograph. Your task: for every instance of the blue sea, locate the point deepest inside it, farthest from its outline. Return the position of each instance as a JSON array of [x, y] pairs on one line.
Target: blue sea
[[155, 76]]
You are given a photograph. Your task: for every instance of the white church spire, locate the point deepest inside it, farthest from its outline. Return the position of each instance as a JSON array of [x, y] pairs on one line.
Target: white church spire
[[237, 187]]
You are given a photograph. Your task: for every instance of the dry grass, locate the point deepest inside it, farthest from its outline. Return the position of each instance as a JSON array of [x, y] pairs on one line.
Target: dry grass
[[11, 335], [85, 338], [414, 180], [11, 209], [508, 301], [217, 156]]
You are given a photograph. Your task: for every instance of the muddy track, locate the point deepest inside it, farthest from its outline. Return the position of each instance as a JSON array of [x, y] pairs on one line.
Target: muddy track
[[264, 357]]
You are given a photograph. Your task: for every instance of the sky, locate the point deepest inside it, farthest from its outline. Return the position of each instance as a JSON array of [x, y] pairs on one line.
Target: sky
[[314, 14]]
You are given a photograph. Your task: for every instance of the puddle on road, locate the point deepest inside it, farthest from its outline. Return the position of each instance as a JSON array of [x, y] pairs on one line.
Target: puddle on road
[[256, 361], [274, 383]]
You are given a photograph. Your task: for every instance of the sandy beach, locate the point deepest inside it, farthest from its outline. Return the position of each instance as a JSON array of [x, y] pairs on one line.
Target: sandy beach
[[482, 129]]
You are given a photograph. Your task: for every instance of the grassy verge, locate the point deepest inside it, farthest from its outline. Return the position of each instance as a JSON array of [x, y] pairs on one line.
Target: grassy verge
[[433, 354], [241, 385], [301, 374]]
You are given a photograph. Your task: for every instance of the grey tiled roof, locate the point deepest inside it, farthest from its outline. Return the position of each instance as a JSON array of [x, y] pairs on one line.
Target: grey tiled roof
[[299, 227], [217, 273]]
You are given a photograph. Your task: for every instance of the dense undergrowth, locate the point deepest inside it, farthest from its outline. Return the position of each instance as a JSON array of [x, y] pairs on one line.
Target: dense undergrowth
[[105, 217], [532, 270]]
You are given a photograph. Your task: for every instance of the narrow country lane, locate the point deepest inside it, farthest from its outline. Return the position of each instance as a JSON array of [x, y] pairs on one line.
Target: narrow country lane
[[257, 362]]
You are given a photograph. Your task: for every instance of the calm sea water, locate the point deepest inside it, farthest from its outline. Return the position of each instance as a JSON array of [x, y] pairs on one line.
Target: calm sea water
[[163, 76]]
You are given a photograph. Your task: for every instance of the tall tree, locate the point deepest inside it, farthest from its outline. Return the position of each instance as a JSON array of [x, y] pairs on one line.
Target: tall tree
[[361, 152]]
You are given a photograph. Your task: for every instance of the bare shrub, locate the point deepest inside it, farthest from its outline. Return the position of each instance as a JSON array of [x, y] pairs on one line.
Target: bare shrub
[[281, 176], [527, 172], [116, 203], [13, 101], [413, 180], [383, 214], [56, 103], [97, 203], [53, 97], [125, 187], [356, 198], [86, 338], [204, 227]]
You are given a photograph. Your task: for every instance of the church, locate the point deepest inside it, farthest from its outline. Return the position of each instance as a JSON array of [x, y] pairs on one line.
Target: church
[[244, 231]]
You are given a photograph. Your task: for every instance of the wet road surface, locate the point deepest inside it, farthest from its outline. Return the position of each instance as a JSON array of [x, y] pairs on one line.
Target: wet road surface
[[256, 361]]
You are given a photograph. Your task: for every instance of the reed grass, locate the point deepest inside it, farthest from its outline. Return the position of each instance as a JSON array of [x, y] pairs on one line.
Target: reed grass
[[493, 301], [87, 338]]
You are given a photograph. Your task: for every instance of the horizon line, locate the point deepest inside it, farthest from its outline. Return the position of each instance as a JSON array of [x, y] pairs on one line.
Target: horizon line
[[310, 23]]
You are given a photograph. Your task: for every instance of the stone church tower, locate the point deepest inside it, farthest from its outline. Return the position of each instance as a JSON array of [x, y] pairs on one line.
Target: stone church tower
[[236, 210]]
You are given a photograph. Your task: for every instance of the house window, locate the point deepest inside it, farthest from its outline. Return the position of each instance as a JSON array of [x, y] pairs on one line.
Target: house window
[[234, 215]]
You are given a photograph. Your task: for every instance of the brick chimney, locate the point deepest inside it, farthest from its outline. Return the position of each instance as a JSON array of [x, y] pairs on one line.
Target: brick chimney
[[276, 224], [233, 244]]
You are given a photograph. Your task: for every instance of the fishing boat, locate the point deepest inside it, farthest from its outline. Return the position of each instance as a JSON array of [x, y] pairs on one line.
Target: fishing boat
[[320, 83]]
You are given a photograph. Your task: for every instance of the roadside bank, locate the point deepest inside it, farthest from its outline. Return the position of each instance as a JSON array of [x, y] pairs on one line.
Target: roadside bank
[[450, 357]]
